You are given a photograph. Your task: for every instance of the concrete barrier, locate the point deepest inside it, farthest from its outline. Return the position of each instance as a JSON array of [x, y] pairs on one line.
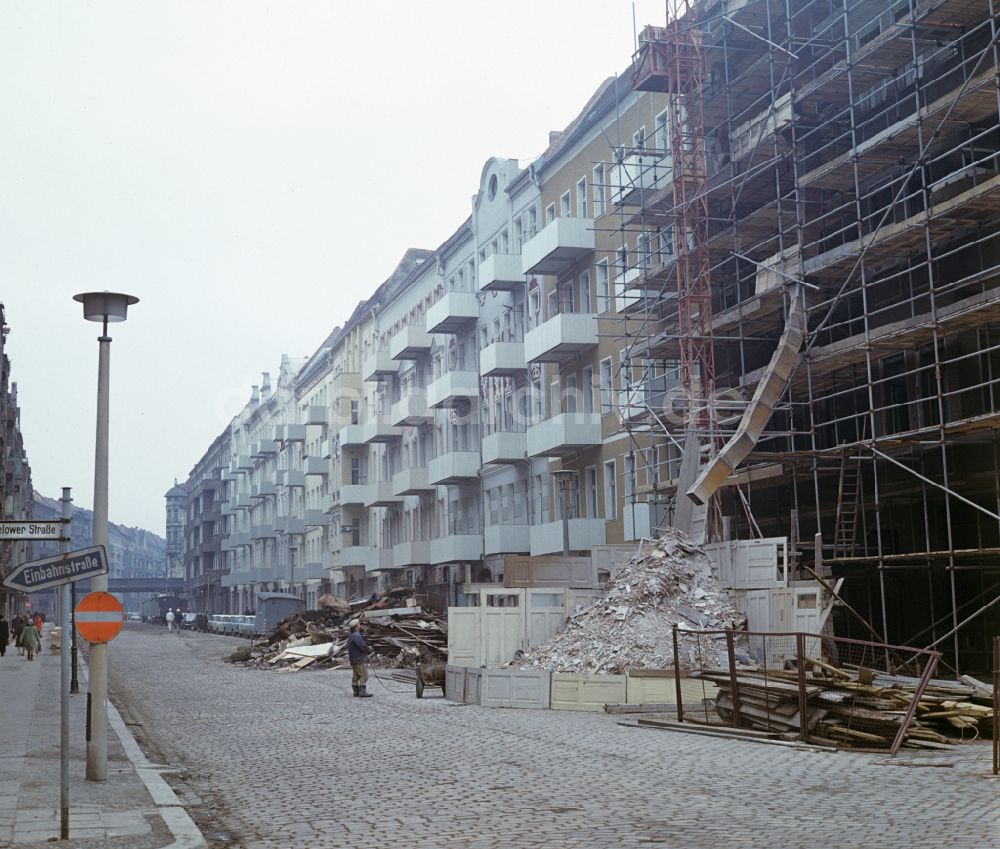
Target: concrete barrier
[[575, 691], [515, 688]]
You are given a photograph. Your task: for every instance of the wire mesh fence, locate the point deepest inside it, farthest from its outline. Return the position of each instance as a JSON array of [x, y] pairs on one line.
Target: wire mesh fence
[[840, 692]]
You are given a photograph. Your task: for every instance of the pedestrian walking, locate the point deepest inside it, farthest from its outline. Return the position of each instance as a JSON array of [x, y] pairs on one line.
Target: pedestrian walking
[[38, 624], [170, 619], [4, 634], [357, 652], [30, 640], [17, 629]]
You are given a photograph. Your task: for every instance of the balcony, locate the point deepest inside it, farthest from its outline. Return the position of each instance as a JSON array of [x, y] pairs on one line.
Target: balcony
[[379, 430], [266, 447], [263, 490], [456, 548], [262, 531], [316, 466], [243, 501], [453, 388], [244, 462], [292, 477], [355, 494], [291, 525], [415, 553], [316, 414], [411, 410], [381, 494], [507, 539], [352, 436], [584, 534], [500, 272], [294, 433], [378, 366], [502, 359], [316, 570], [315, 518], [412, 481], [564, 434], [326, 448], [360, 555], [558, 246], [453, 467], [453, 312], [755, 136], [639, 176], [505, 447], [561, 337], [410, 343]]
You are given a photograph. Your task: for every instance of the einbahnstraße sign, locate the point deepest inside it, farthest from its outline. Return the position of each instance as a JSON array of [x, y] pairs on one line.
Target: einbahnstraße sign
[[60, 569]]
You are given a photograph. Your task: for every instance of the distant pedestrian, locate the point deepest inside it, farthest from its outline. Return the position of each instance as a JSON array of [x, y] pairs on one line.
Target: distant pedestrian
[[4, 634], [30, 640], [357, 652], [170, 619], [17, 629], [38, 624]]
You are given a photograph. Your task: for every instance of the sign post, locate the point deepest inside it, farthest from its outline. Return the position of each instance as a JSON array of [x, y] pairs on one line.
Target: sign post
[[64, 624]]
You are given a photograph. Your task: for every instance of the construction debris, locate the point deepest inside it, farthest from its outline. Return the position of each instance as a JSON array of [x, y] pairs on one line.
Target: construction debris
[[852, 708], [399, 630], [668, 582]]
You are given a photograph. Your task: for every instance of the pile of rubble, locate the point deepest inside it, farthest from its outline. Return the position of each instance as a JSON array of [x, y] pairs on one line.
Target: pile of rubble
[[668, 582], [399, 630]]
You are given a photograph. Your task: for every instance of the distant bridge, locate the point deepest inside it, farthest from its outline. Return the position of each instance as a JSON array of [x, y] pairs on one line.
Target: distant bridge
[[120, 586]]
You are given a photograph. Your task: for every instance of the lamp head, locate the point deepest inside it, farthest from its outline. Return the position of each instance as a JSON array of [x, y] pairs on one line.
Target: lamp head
[[105, 306]]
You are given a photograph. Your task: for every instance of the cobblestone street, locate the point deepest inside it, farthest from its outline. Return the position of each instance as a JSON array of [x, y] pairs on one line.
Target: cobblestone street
[[292, 760]]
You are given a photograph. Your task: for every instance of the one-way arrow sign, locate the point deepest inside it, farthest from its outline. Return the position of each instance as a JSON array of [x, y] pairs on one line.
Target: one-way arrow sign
[[61, 569]]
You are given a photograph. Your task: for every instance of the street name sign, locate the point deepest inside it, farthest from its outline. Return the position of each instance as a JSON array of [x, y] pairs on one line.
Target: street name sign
[[31, 530], [99, 617], [62, 569]]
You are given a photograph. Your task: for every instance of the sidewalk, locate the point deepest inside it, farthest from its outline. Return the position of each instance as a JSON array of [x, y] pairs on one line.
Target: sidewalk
[[133, 809]]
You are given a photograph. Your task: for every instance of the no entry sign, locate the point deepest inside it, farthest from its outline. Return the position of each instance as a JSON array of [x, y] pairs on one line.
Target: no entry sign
[[99, 617]]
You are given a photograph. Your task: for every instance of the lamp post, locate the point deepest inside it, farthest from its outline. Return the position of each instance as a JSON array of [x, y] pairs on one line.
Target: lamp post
[[565, 479], [104, 307]]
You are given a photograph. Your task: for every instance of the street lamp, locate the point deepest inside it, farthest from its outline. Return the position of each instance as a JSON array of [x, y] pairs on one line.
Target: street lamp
[[566, 479], [104, 307]]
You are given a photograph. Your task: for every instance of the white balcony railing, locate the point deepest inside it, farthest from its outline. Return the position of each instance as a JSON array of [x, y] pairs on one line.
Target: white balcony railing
[[563, 336], [456, 548], [410, 343], [378, 366], [584, 534], [413, 553], [507, 539], [411, 410], [454, 467], [500, 271], [412, 481], [560, 244], [452, 312], [504, 447], [564, 434], [452, 388], [501, 359]]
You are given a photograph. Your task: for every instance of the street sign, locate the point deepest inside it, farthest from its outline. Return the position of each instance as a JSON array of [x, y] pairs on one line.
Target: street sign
[[99, 617], [31, 530], [60, 569]]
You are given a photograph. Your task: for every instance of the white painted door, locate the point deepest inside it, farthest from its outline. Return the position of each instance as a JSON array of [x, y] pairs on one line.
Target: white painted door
[[502, 625], [546, 612], [463, 636]]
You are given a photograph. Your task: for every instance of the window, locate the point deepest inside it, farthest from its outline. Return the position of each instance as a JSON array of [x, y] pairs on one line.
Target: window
[[570, 404], [565, 211], [590, 486], [639, 139], [660, 139], [598, 192], [610, 490], [585, 292], [603, 291], [629, 488], [587, 387], [581, 198], [607, 380], [550, 213]]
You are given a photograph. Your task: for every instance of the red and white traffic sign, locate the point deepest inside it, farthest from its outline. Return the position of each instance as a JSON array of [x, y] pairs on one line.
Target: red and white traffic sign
[[99, 617]]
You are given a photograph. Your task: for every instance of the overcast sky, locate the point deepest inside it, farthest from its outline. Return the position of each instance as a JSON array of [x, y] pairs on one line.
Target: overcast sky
[[249, 170]]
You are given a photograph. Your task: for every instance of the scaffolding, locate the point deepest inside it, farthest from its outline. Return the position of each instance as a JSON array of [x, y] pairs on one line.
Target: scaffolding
[[834, 163]]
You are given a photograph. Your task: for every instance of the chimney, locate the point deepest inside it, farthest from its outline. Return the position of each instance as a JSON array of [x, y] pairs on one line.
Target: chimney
[[265, 387], [254, 395], [554, 136]]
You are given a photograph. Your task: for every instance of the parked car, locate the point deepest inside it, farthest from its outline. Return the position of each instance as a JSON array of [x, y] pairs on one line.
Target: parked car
[[187, 620]]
